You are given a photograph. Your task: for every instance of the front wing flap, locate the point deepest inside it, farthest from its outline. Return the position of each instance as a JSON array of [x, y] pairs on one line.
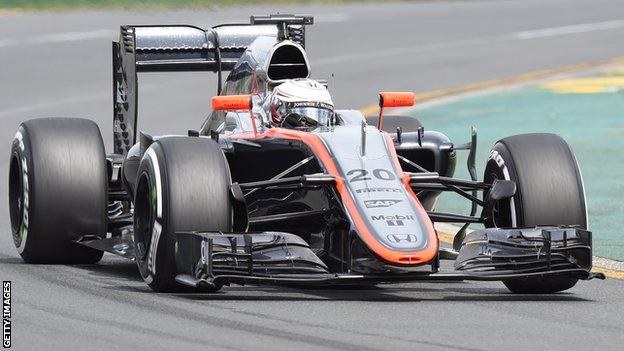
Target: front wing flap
[[211, 258], [525, 250]]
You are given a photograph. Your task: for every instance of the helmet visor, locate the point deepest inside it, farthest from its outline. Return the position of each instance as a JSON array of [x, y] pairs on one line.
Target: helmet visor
[[315, 113]]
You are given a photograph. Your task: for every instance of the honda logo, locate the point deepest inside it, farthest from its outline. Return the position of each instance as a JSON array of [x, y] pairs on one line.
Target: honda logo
[[402, 238]]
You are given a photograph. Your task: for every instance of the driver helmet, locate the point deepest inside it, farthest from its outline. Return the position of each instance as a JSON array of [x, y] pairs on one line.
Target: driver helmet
[[300, 103]]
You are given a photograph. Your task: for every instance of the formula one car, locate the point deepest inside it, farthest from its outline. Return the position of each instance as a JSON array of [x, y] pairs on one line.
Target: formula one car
[[279, 187]]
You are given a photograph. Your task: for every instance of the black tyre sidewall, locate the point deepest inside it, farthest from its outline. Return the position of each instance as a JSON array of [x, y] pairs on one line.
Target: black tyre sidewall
[[158, 264], [54, 212], [21, 152], [159, 274], [500, 166]]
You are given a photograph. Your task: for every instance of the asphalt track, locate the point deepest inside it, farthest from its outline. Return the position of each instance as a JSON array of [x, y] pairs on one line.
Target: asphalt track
[[59, 65]]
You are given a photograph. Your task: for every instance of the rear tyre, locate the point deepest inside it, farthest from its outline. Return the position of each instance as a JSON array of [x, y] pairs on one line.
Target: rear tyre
[[183, 184], [391, 123], [550, 191], [57, 189]]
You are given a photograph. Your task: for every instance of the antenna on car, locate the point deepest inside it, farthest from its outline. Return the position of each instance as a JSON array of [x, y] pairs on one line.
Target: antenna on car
[[333, 87], [363, 147]]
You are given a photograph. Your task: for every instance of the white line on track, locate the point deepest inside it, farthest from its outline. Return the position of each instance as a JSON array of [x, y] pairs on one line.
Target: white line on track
[[428, 47], [57, 38], [55, 103], [107, 33], [565, 30], [75, 99], [338, 17]]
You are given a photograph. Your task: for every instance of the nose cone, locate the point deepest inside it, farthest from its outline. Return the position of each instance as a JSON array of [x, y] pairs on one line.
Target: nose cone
[[386, 214]]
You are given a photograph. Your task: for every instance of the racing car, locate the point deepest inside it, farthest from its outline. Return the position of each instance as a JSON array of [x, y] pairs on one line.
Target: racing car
[[279, 187]]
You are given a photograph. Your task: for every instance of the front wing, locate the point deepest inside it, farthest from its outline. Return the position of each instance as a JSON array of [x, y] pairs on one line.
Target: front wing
[[212, 259]]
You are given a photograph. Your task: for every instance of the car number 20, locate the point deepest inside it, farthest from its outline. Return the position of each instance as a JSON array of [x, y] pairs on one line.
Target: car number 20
[[362, 174]]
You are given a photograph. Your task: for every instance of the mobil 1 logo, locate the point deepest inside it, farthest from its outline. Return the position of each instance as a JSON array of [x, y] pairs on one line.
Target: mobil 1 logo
[[394, 220]]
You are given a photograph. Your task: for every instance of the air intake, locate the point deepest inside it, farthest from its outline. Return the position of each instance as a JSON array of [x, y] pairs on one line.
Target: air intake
[[288, 61]]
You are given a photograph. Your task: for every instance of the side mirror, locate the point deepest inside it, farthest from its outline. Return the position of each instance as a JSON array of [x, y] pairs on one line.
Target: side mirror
[[231, 102], [394, 99], [235, 103]]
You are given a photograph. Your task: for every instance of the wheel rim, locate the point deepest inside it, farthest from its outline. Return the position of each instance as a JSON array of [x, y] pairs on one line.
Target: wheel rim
[[16, 195], [501, 211], [144, 216]]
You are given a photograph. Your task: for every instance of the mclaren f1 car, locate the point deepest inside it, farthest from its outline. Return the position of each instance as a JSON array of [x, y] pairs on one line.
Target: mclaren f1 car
[[279, 187]]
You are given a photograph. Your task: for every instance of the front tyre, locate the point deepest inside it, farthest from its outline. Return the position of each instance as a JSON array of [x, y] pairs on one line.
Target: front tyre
[[549, 191], [183, 185]]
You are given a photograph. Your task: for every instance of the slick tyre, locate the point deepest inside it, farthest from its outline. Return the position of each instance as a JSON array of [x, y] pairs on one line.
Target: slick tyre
[[57, 189], [183, 185], [391, 123], [549, 191]]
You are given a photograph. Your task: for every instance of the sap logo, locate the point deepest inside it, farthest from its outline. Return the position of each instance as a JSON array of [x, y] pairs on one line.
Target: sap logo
[[378, 190], [380, 203], [402, 238], [393, 221]]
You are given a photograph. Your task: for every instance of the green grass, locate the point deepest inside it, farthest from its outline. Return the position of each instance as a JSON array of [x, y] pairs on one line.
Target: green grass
[[137, 4]]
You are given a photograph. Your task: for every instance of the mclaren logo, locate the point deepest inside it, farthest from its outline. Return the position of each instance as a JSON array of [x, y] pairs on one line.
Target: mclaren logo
[[402, 238], [380, 203]]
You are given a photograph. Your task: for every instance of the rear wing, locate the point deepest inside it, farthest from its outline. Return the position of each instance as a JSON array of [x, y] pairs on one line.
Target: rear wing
[[149, 48]]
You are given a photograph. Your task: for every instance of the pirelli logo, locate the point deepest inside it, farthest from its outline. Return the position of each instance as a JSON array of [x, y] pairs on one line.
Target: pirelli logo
[[378, 190]]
